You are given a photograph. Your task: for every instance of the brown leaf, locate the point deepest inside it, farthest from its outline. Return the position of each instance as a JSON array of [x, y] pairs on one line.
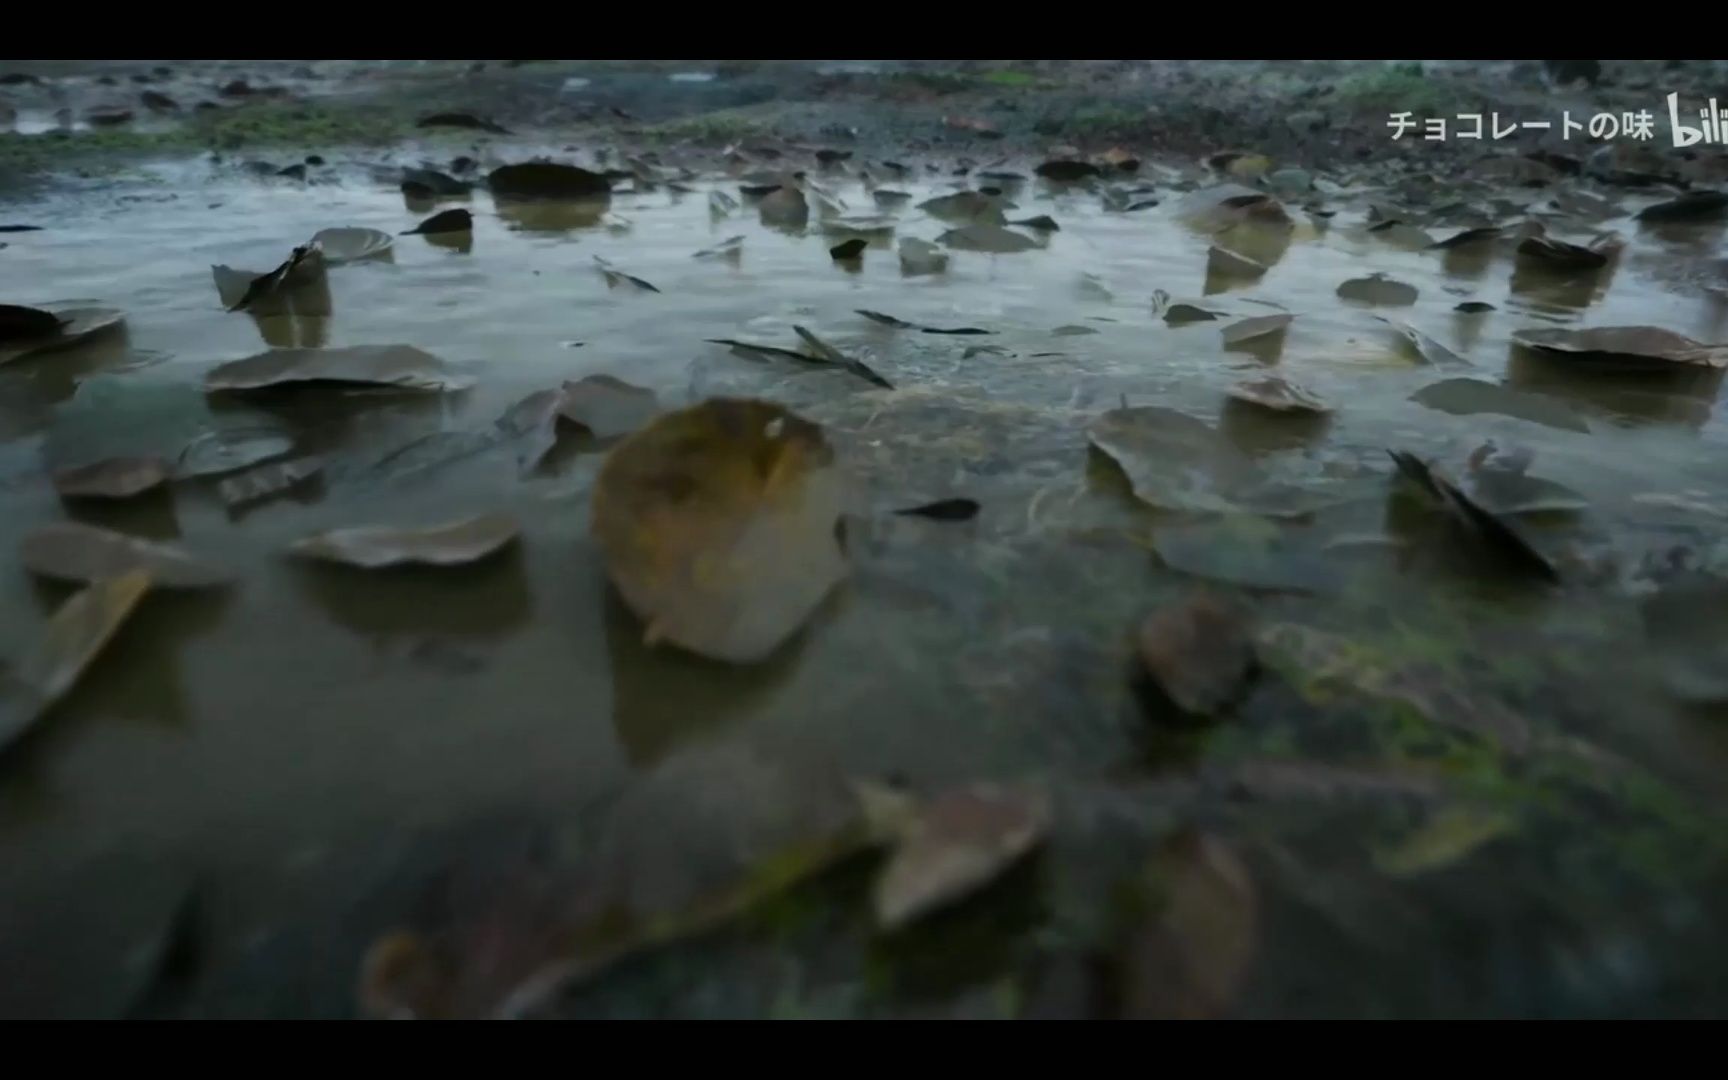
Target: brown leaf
[[445, 221], [1279, 395], [401, 366], [606, 407], [718, 526], [1692, 206], [1221, 262], [987, 238], [1493, 536], [74, 325], [111, 478], [1559, 255], [76, 633], [1191, 956], [73, 551], [849, 249], [1631, 348], [1257, 326], [1199, 651], [1378, 289], [956, 843], [451, 543], [785, 207], [1468, 397]]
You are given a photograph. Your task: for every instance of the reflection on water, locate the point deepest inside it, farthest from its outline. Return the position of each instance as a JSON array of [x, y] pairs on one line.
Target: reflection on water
[[314, 716]]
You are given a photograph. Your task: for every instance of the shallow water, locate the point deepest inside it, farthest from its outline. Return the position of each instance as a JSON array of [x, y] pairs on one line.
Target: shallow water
[[282, 744]]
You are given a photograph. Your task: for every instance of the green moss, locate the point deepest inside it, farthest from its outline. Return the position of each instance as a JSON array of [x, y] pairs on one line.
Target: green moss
[[720, 126], [1398, 88], [1012, 78]]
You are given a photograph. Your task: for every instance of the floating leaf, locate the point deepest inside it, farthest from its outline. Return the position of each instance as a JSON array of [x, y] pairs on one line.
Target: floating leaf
[[1171, 459], [992, 239], [110, 478], [1493, 536], [447, 221], [1181, 312], [720, 203], [1427, 348], [1468, 397], [1190, 956], [902, 324], [216, 452], [1043, 223], [1474, 307], [462, 120], [548, 180], [380, 365], [75, 325], [351, 244], [730, 248], [1258, 326], [1559, 255], [1199, 652], [1478, 236], [970, 206], [1692, 206], [956, 843], [849, 249], [616, 277], [1625, 347], [1378, 289], [921, 257], [831, 355], [785, 207], [265, 481], [73, 551], [451, 543], [888, 198], [74, 636], [1066, 171], [718, 526], [944, 510], [1223, 263], [1449, 837], [606, 407], [303, 267], [1278, 395]]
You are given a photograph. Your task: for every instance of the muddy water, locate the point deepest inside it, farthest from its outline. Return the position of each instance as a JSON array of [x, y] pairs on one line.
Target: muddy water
[[282, 746]]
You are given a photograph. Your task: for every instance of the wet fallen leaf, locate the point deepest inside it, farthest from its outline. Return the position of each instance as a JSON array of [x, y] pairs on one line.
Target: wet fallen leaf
[[1257, 326], [607, 408], [860, 225], [1190, 956], [303, 267], [379, 365], [216, 452], [956, 843], [1559, 255], [446, 221], [1174, 461], [1468, 397], [902, 324], [461, 120], [75, 325], [730, 248], [1493, 536], [889, 197], [452, 543], [1425, 347], [967, 206], [1180, 312], [110, 478], [1043, 223], [1199, 652], [430, 183], [829, 354], [1066, 171], [720, 203], [1278, 395], [785, 207], [616, 277], [921, 257], [1478, 236], [944, 510], [848, 249], [1446, 839], [532, 424], [548, 180], [265, 481], [1221, 262], [1474, 307], [20, 323], [73, 551], [75, 634], [1624, 347], [718, 526], [1378, 289], [991, 239], [351, 244], [1692, 206]]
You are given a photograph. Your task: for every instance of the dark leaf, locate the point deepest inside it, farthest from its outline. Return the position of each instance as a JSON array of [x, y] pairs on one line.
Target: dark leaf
[[19, 323], [1043, 223], [1199, 652], [616, 277], [956, 843], [265, 481], [548, 180], [445, 221], [401, 366], [902, 324], [461, 120], [1493, 536], [1559, 255], [1467, 397], [1191, 955], [434, 182], [849, 249], [73, 551], [1692, 206], [944, 510], [828, 354], [1625, 347], [1468, 236], [1066, 171], [1474, 307], [606, 407], [1378, 289], [110, 478]]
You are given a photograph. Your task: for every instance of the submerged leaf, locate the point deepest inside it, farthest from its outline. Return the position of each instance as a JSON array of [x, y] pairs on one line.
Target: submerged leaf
[[1449, 837], [461, 120], [533, 424], [216, 452], [379, 365], [718, 526], [265, 481], [1625, 347], [1468, 236], [1189, 958], [956, 843], [451, 543], [606, 407], [76, 633], [1066, 171], [73, 551], [969, 206], [1172, 460], [1199, 652], [111, 478], [1467, 397], [1427, 348], [1043, 223], [988, 238]]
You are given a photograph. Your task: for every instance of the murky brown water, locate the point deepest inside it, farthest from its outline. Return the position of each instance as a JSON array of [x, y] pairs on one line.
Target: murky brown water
[[274, 742]]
